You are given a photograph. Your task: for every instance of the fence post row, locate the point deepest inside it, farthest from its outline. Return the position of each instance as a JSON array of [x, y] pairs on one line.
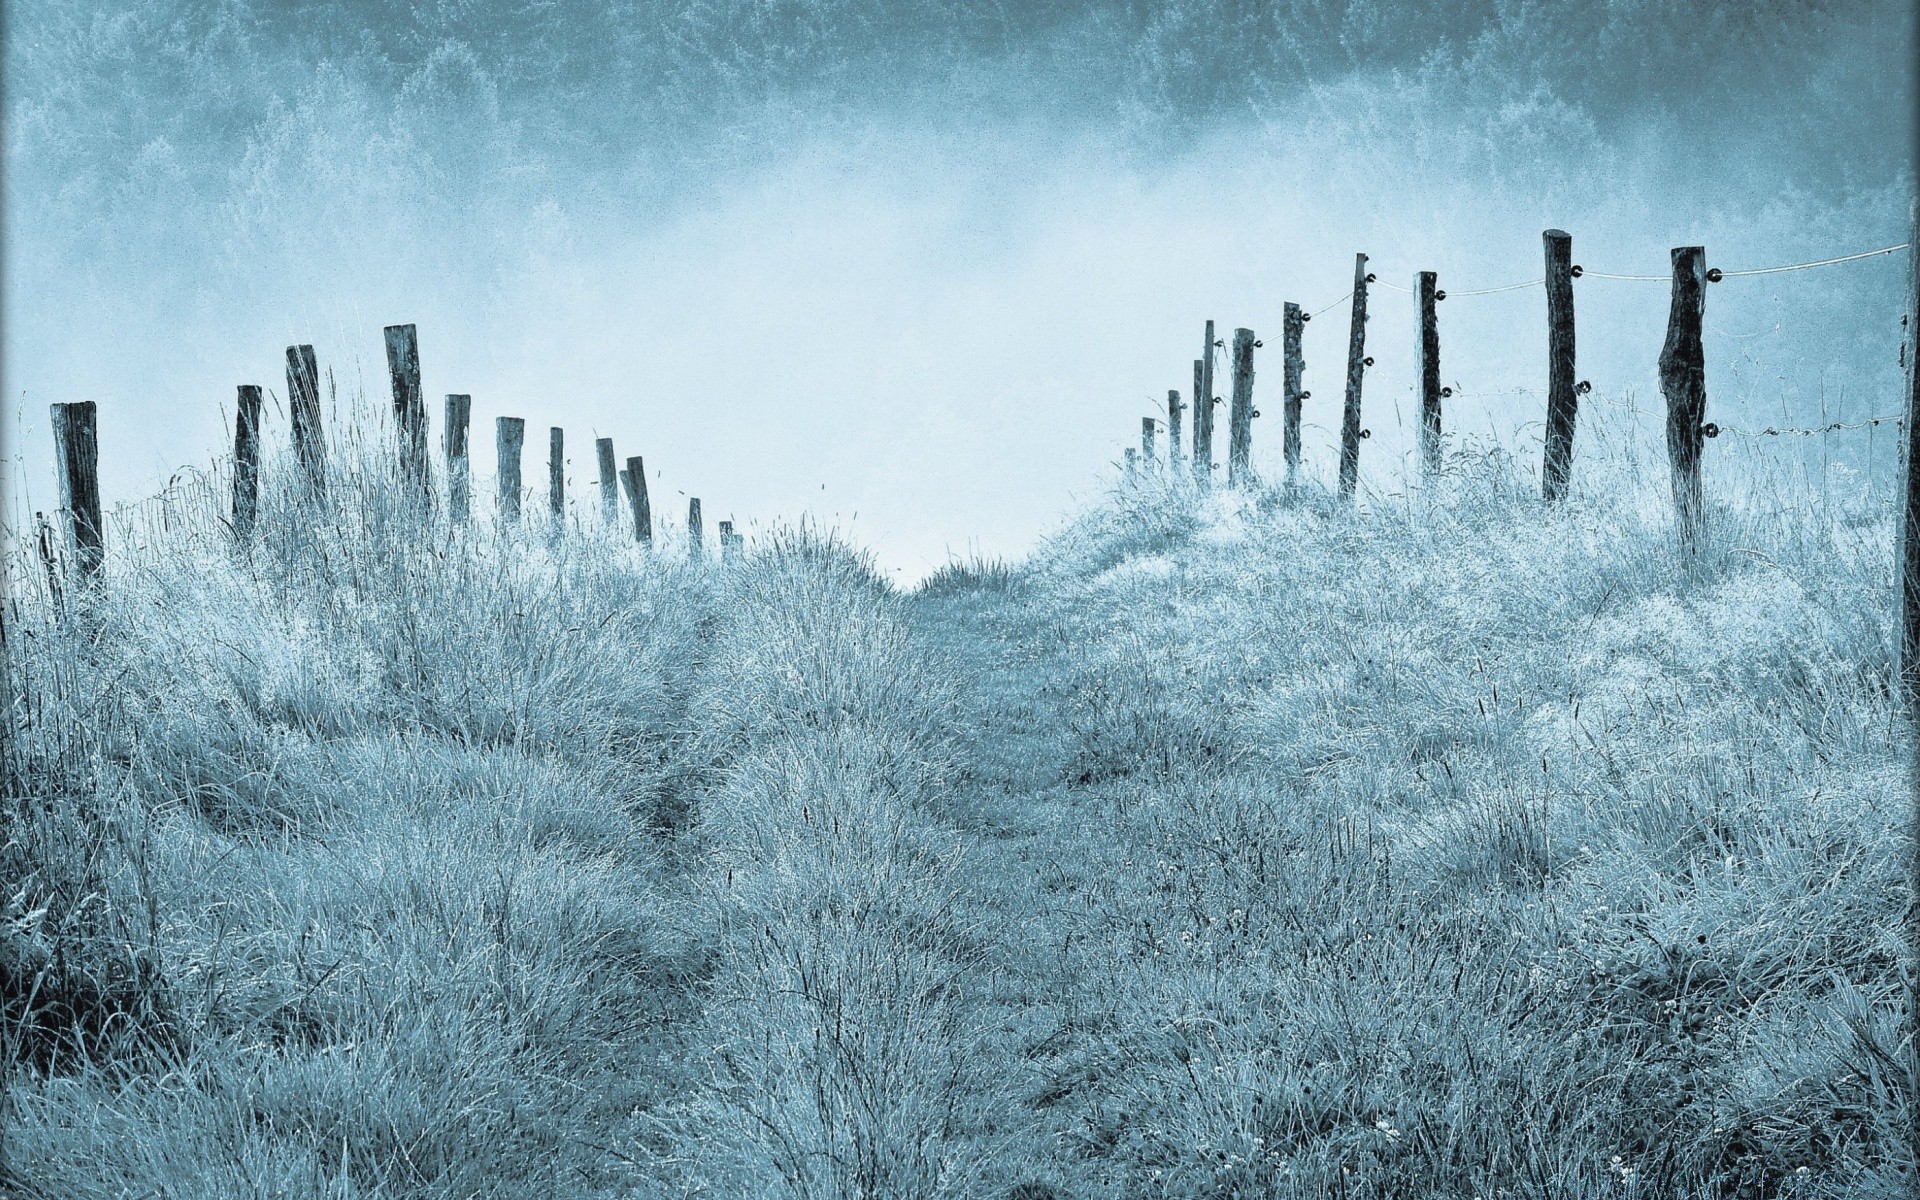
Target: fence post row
[[635, 478], [510, 435], [557, 474], [1146, 442], [1357, 363], [453, 436], [1173, 430], [1562, 400], [409, 408], [303, 405], [693, 530], [1240, 415], [1683, 380], [1910, 523], [76, 445], [1203, 412], [609, 480], [1292, 366], [246, 462], [1427, 368]]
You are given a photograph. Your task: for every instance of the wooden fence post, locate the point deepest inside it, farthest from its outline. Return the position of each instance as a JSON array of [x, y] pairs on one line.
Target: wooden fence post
[[1357, 364], [729, 543], [1910, 524], [637, 497], [453, 439], [1133, 462], [76, 447], [694, 536], [1683, 380], [1174, 409], [409, 407], [246, 462], [1293, 366], [557, 475], [1203, 412], [609, 481], [1427, 368], [510, 433], [1147, 431], [1562, 400], [303, 406], [1240, 414]]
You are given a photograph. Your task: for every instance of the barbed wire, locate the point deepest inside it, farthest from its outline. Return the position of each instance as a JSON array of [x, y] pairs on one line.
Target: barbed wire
[[1830, 427]]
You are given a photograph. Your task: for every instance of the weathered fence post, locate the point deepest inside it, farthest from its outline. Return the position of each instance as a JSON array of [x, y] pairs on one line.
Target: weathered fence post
[[76, 447], [1683, 380], [637, 496], [729, 544], [1909, 550], [409, 408], [609, 481], [1174, 409], [1240, 414], [557, 475], [1203, 412], [510, 433], [246, 462], [453, 439], [694, 547], [1147, 431], [1293, 365], [1357, 364], [1133, 462], [1427, 368], [1562, 400], [303, 406]]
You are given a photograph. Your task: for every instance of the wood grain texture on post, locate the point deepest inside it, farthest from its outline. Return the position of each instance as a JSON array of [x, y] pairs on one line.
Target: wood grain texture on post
[[453, 441], [1175, 462], [636, 476], [1909, 549], [409, 407], [1293, 366], [246, 461], [303, 408], [1240, 413], [510, 434], [694, 534], [1427, 367], [609, 481], [1350, 432], [1203, 411], [557, 473], [76, 447], [1147, 432], [1562, 400], [1683, 381]]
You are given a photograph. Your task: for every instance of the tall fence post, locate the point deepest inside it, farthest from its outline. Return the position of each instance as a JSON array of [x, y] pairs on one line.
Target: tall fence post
[[557, 475], [1357, 364], [609, 481], [1910, 523], [1240, 414], [1293, 366], [1683, 380], [246, 462], [1174, 410], [1426, 295], [636, 477], [510, 434], [453, 439], [1203, 412], [1562, 399], [303, 406], [1147, 432], [695, 549], [409, 408], [76, 447]]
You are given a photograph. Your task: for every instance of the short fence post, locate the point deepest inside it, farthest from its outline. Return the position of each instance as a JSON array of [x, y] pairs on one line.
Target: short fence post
[[1174, 410], [1683, 380], [1293, 366], [1133, 462], [1240, 414], [1427, 368], [728, 549], [246, 462], [1203, 412], [303, 406], [694, 538], [636, 477], [76, 447], [1562, 400], [609, 480], [1910, 523], [1146, 443], [510, 434], [409, 407], [1357, 364], [453, 437], [557, 475]]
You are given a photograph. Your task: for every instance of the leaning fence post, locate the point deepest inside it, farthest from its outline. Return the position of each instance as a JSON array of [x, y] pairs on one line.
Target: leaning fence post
[[694, 547], [1240, 414], [1357, 364], [636, 477], [1147, 430], [1910, 523], [409, 408], [1427, 368], [453, 439], [246, 461], [609, 480], [510, 434], [1562, 400], [303, 406], [557, 475], [1174, 409], [1203, 412], [1683, 380], [1293, 365], [76, 447]]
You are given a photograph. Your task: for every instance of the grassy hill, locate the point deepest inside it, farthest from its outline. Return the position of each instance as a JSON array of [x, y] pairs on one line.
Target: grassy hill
[[1234, 845]]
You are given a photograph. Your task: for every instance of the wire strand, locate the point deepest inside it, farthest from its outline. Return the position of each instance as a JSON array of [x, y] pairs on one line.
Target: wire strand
[[1336, 304], [1833, 427], [1511, 287], [1825, 262]]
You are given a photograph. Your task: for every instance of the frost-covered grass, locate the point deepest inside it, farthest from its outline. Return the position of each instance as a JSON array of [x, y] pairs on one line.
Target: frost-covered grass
[[1234, 845]]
